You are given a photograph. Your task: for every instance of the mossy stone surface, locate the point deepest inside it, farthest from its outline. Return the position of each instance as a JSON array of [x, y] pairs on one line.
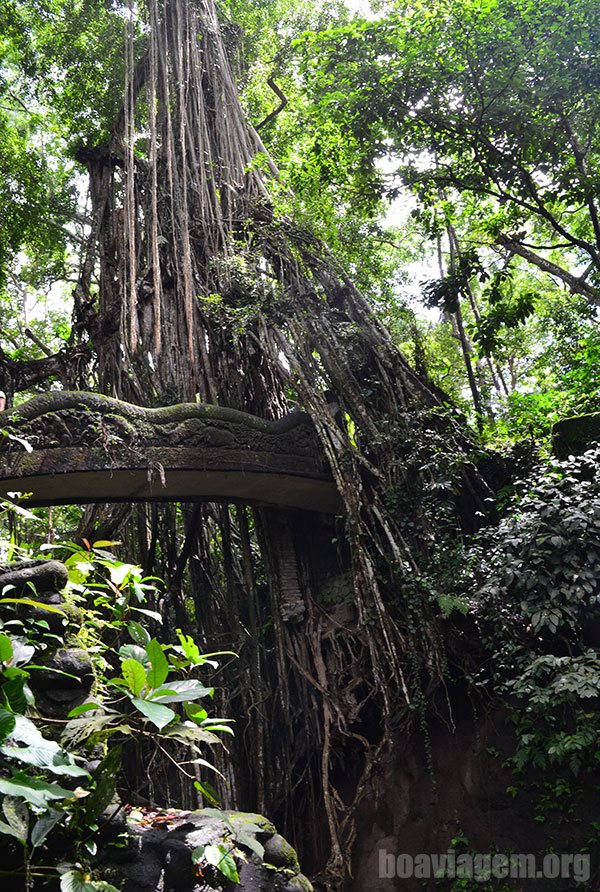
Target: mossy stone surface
[[572, 436]]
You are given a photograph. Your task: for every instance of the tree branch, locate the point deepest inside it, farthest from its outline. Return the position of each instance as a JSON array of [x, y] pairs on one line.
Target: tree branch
[[283, 101], [577, 285]]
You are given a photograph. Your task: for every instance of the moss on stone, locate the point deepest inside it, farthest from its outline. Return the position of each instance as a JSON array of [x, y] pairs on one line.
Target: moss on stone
[[280, 853], [572, 436]]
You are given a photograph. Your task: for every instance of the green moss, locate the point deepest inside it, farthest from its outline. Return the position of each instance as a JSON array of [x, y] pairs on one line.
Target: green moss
[[280, 853], [299, 883]]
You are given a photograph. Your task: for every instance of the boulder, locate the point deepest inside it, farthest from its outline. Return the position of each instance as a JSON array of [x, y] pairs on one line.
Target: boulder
[[158, 855]]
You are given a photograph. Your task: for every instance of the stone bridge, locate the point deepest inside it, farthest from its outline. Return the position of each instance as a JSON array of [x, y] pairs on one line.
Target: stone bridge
[[76, 447]]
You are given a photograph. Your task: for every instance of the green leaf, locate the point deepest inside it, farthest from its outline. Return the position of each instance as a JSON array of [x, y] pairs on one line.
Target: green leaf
[[7, 723], [189, 648], [180, 692], [79, 568], [208, 792], [44, 824], [156, 713], [30, 602], [219, 856], [79, 710], [190, 734], [75, 881], [6, 649], [105, 777], [17, 815], [47, 755], [13, 691], [22, 651], [134, 652], [83, 727], [33, 790], [138, 633], [134, 675], [120, 572], [151, 614], [245, 838], [160, 667], [196, 713], [7, 830]]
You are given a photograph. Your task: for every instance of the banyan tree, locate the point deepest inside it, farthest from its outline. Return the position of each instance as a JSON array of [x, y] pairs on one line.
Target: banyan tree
[[196, 287]]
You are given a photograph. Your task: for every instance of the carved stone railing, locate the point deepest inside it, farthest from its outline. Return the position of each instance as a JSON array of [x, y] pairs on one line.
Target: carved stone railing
[[76, 447]]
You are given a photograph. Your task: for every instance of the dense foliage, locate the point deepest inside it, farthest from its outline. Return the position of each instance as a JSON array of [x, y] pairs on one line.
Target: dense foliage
[[535, 598], [58, 788]]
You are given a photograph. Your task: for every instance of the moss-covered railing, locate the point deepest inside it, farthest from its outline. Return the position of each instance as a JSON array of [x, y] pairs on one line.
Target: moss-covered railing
[[76, 447]]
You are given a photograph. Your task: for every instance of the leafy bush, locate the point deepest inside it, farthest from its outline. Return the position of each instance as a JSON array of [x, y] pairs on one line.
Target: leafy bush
[[542, 561], [142, 688], [537, 592]]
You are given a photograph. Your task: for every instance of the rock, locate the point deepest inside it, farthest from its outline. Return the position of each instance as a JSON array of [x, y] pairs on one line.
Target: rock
[[572, 436], [66, 669], [299, 883], [63, 683], [33, 578], [158, 857], [280, 853], [55, 621]]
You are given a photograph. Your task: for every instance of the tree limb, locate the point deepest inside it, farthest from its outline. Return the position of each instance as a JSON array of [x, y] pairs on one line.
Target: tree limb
[[283, 101], [577, 285]]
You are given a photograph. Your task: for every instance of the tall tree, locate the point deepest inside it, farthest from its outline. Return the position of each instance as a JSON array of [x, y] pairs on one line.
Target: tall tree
[[498, 100], [195, 285]]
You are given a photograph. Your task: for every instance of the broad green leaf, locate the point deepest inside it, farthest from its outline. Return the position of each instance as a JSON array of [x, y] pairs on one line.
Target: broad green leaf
[[22, 651], [138, 590], [208, 792], [79, 710], [6, 649], [134, 652], [189, 648], [13, 691], [33, 790], [105, 777], [151, 614], [79, 568], [83, 727], [7, 830], [17, 815], [138, 633], [160, 667], [31, 602], [244, 838], [7, 723], [27, 732], [179, 692], [120, 572], [134, 675], [196, 713], [106, 543], [156, 713], [219, 856], [44, 824], [191, 734], [76, 881], [48, 756]]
